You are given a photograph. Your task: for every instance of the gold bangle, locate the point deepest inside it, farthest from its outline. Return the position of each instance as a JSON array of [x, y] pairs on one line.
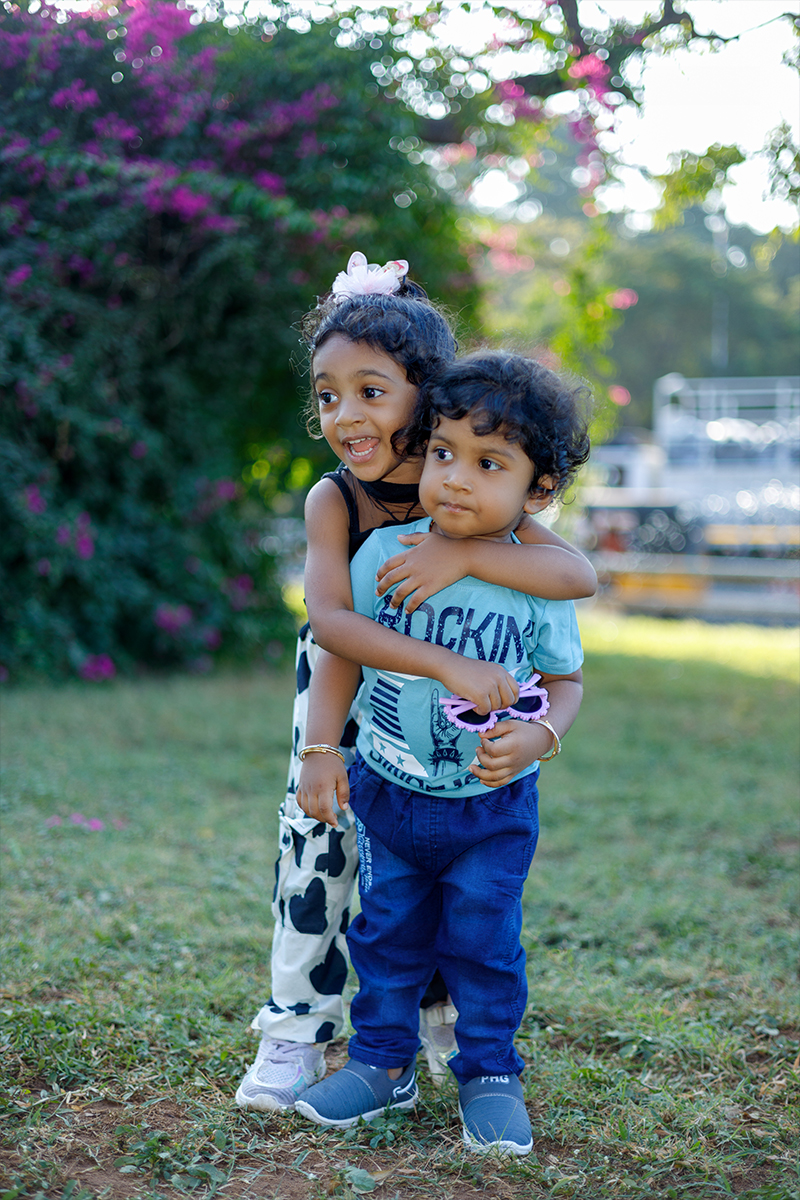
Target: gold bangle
[[556, 741], [322, 748]]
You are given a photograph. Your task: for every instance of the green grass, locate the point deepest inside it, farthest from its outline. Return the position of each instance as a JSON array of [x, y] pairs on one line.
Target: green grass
[[662, 1033]]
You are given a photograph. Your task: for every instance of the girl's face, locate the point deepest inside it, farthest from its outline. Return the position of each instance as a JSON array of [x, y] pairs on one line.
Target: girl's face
[[364, 397]]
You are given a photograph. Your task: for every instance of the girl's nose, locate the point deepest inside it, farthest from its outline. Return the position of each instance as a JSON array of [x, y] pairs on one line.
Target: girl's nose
[[349, 413]]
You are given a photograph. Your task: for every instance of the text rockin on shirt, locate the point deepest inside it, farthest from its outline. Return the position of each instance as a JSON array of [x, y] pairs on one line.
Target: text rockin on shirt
[[404, 734]]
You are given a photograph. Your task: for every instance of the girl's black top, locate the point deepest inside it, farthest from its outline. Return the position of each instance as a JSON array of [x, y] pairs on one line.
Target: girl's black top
[[382, 493]]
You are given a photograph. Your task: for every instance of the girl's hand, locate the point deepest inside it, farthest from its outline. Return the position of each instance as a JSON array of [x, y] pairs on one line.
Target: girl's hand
[[487, 685], [323, 778], [508, 749], [431, 563]]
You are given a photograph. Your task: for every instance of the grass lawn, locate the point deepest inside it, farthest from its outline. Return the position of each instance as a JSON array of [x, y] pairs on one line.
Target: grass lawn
[[662, 1031]]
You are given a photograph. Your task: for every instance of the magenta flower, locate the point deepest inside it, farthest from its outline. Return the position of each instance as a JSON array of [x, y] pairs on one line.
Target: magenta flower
[[95, 823], [189, 205], [139, 450], [63, 535], [270, 182], [17, 277], [97, 668], [76, 96], [77, 818], [173, 618], [226, 489], [84, 546], [35, 500], [623, 298]]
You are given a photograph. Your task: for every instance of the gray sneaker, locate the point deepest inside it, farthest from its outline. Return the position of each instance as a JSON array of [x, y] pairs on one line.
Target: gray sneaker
[[437, 1032], [282, 1072]]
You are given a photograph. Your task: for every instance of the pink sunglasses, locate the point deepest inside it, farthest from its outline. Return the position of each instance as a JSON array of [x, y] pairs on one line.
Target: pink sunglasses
[[531, 706]]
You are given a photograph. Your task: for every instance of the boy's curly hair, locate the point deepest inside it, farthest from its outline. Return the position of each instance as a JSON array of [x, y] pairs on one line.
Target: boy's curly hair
[[547, 415], [406, 326]]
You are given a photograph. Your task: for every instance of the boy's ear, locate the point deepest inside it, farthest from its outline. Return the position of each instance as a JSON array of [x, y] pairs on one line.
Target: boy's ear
[[541, 494]]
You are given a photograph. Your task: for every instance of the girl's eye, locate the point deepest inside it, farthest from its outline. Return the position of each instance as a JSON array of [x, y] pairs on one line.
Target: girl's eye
[[372, 393], [488, 464], [441, 454], [325, 398]]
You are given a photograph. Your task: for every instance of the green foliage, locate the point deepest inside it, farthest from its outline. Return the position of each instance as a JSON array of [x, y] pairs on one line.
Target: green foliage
[[171, 200], [692, 179]]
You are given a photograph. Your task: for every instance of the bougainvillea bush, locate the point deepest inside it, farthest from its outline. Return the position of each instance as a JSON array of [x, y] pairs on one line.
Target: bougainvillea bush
[[173, 194]]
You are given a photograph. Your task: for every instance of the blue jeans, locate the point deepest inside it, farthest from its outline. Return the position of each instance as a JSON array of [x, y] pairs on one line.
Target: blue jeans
[[441, 880]]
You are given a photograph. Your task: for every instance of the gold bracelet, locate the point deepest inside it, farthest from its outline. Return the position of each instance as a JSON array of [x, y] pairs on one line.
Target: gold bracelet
[[556, 741], [322, 748]]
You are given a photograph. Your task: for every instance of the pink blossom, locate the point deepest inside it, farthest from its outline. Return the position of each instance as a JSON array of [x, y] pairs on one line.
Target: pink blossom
[[53, 822], [18, 276], [623, 298], [173, 618], [139, 450], [43, 566], [63, 535], [619, 395], [238, 591], [95, 823], [52, 135], [155, 23], [97, 667], [77, 818], [35, 500], [84, 546], [75, 97]]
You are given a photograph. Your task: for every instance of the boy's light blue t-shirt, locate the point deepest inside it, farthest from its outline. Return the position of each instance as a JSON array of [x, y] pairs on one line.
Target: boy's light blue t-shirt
[[404, 734]]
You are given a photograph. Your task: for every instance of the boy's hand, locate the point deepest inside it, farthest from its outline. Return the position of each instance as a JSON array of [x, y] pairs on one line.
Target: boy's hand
[[508, 749], [487, 685], [323, 778], [431, 563]]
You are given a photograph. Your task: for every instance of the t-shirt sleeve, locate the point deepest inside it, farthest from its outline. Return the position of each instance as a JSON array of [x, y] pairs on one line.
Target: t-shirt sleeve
[[363, 570], [558, 649]]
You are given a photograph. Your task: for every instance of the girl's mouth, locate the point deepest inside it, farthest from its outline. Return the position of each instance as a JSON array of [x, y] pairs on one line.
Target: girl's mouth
[[361, 448]]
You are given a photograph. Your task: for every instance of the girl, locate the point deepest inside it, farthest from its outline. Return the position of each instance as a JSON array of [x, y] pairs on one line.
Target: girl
[[373, 340]]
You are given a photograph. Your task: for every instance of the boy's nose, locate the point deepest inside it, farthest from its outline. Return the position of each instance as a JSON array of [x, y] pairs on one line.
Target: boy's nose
[[457, 481]]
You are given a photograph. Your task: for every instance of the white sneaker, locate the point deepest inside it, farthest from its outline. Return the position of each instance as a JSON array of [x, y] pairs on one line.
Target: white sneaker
[[437, 1033], [282, 1072]]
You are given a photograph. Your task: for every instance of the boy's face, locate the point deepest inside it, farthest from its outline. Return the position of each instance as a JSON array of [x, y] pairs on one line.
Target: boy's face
[[477, 485]]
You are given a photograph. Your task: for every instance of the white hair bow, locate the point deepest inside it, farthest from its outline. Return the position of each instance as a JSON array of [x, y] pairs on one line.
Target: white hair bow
[[368, 279]]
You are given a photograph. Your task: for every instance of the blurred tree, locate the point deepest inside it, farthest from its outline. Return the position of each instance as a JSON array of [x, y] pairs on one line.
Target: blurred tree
[[172, 195]]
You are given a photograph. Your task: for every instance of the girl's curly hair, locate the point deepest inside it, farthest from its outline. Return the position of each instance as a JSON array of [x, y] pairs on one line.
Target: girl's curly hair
[[405, 325], [527, 402]]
